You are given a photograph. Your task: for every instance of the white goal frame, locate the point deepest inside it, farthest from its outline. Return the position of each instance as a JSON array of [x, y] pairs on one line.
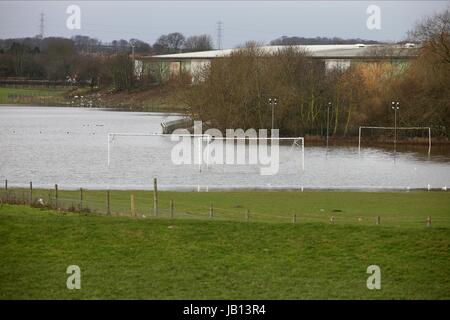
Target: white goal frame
[[207, 137], [395, 128]]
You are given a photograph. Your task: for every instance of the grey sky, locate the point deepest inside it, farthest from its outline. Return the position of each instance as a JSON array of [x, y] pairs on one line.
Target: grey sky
[[243, 20]]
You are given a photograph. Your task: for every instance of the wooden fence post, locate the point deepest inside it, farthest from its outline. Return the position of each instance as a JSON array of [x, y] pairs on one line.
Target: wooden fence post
[[108, 210], [56, 196], [171, 209], [6, 185], [133, 207], [429, 221], [211, 210], [31, 192], [6, 190], [294, 218], [155, 197], [378, 220]]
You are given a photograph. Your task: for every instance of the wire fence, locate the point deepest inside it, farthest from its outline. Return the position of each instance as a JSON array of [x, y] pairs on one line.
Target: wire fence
[[147, 205]]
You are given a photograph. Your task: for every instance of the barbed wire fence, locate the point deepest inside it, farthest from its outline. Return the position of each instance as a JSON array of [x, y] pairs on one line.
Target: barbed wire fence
[[147, 205]]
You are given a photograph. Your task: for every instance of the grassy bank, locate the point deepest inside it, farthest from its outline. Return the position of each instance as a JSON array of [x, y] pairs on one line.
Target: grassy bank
[[150, 99], [397, 209], [34, 96], [147, 100], [122, 257]]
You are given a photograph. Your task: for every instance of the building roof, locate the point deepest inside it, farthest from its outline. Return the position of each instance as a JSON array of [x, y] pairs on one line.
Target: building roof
[[338, 51]]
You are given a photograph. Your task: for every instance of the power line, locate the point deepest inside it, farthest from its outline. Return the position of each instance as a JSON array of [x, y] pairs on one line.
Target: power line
[[219, 35]]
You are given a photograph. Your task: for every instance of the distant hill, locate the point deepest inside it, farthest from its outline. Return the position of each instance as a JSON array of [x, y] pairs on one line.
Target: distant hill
[[285, 41]]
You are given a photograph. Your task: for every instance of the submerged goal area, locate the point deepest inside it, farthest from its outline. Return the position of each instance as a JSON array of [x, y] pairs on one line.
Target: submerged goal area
[[426, 129], [206, 154]]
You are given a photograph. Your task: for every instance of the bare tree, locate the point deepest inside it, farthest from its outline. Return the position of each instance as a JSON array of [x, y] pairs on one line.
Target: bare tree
[[59, 57], [122, 70], [434, 33], [198, 43], [89, 69], [169, 43]]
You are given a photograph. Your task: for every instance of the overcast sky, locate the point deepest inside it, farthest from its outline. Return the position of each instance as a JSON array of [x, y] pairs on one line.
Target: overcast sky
[[242, 21]]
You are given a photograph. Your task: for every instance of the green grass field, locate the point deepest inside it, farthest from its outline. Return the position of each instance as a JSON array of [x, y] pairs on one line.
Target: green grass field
[[146, 100], [194, 256], [122, 257], [40, 96], [396, 209]]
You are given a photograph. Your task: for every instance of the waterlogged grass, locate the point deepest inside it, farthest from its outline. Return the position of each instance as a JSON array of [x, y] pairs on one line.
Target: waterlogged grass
[[397, 209], [122, 257], [146, 100], [32, 95]]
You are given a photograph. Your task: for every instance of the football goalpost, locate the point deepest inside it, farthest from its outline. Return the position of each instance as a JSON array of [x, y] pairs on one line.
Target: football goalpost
[[297, 142], [395, 128]]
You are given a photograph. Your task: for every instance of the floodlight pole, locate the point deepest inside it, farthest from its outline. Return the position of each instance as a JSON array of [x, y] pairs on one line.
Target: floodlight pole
[[328, 121], [359, 140], [109, 148], [429, 142], [273, 103], [395, 106], [133, 44]]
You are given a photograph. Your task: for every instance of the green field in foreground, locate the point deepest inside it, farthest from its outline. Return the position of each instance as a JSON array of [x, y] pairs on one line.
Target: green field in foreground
[[397, 209], [122, 257]]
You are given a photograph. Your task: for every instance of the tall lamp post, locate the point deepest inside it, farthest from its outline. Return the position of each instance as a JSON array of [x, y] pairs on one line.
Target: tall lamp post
[[395, 105], [328, 121], [133, 44], [273, 103]]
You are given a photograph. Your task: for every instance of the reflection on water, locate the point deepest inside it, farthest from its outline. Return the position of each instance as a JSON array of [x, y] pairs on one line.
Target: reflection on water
[[439, 151], [68, 146]]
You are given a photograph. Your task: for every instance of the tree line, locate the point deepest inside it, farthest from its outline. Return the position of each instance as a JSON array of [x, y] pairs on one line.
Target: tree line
[[85, 60], [166, 43]]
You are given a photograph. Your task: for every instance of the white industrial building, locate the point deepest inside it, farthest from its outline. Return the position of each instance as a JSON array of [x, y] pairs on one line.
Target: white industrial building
[[334, 56]]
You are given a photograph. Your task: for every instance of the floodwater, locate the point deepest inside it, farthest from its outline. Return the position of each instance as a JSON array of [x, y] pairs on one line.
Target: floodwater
[[69, 146]]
